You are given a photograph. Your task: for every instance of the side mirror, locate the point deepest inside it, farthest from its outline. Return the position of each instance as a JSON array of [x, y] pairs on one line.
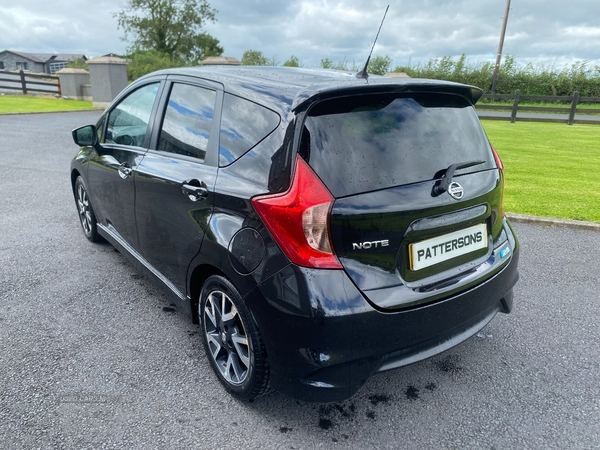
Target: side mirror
[[86, 136]]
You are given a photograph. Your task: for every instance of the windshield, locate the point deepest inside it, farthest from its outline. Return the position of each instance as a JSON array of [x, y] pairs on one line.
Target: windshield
[[365, 143]]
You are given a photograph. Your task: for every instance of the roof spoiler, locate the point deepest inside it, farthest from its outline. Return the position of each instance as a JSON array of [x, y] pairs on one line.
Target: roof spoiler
[[381, 85]]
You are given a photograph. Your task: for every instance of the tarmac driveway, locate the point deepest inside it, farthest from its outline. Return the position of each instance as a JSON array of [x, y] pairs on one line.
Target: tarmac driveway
[[93, 356]]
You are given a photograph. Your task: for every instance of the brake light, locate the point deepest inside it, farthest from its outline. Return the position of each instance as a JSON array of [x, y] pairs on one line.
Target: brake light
[[299, 219], [501, 169]]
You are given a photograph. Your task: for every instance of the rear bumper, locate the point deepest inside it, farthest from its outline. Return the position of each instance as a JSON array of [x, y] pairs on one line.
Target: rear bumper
[[324, 339]]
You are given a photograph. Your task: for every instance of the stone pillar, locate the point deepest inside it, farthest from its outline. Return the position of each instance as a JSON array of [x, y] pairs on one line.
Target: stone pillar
[[220, 61], [71, 81], [108, 77], [86, 91]]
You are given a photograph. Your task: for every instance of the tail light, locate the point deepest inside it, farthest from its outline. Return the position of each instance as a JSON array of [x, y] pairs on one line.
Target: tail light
[[501, 169], [299, 219]]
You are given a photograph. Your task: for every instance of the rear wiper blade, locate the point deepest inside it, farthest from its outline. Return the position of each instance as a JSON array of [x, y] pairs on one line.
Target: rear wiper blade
[[446, 180]]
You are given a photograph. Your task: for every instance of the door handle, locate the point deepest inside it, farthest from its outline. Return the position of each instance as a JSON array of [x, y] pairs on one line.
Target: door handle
[[124, 171], [195, 190]]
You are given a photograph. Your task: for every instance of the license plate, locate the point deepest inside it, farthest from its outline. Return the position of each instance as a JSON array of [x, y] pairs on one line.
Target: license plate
[[442, 248]]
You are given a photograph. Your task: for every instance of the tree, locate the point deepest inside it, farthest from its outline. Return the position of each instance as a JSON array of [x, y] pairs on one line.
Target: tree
[[254, 58], [341, 65], [380, 65], [171, 28], [205, 46], [273, 61], [78, 63], [145, 61], [292, 62], [329, 64], [326, 63]]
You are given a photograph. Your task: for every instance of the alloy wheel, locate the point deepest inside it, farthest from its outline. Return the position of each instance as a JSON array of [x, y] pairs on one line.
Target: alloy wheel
[[226, 336], [83, 206]]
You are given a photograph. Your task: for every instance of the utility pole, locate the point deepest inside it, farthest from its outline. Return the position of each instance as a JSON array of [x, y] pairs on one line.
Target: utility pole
[[499, 57]]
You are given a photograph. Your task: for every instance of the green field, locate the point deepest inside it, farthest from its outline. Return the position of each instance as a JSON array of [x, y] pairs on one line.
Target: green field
[[14, 104], [551, 169]]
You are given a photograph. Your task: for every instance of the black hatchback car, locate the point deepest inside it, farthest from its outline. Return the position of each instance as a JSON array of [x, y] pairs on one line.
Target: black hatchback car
[[319, 227]]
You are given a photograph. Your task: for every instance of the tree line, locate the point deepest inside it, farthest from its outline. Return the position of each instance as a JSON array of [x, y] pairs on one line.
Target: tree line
[[530, 79], [378, 65], [170, 33]]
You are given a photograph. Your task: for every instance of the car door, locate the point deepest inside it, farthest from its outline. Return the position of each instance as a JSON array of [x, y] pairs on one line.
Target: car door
[[125, 134], [175, 179]]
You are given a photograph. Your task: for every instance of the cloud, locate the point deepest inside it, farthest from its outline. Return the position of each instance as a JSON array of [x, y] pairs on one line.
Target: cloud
[[61, 26], [415, 31], [538, 30]]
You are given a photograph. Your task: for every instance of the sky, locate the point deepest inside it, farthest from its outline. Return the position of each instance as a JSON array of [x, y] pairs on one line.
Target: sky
[[544, 32]]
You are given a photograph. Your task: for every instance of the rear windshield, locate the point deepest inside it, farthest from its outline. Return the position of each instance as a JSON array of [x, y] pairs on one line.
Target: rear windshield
[[364, 143]]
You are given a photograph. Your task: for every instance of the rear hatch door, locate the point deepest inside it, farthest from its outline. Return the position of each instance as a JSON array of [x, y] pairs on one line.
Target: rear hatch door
[[418, 192]]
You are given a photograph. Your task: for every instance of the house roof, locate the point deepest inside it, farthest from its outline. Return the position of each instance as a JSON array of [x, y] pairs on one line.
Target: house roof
[[47, 57]]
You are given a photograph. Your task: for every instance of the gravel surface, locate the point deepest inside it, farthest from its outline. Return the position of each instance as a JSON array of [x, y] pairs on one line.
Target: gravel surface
[[92, 355]]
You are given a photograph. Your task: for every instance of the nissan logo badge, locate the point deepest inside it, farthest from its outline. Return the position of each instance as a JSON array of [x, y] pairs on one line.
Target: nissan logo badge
[[456, 190]]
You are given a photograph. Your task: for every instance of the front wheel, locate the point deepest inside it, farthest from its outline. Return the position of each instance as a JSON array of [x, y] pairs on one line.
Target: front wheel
[[86, 213], [231, 340]]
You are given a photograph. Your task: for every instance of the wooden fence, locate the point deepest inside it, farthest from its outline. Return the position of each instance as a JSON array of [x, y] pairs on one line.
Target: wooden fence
[[28, 82], [571, 110]]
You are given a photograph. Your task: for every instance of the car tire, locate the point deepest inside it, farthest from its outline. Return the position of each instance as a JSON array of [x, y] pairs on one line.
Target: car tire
[[87, 217], [231, 339]]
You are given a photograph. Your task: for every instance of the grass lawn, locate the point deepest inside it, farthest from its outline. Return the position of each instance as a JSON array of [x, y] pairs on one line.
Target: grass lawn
[[551, 169], [11, 104]]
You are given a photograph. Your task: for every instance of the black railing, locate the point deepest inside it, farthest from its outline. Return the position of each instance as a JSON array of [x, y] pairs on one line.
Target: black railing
[[572, 109]]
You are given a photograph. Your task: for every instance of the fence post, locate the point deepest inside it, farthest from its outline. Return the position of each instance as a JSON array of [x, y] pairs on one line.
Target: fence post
[[513, 114], [573, 107], [23, 83], [59, 90]]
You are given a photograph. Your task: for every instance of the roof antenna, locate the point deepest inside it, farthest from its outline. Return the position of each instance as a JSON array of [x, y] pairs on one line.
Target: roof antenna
[[363, 73]]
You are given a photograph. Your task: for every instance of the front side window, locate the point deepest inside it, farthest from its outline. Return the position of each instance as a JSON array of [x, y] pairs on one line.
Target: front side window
[[188, 119], [100, 129], [22, 66], [128, 121]]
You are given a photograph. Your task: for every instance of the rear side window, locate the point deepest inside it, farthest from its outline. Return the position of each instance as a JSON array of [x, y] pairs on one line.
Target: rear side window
[[364, 143], [188, 119], [243, 125]]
